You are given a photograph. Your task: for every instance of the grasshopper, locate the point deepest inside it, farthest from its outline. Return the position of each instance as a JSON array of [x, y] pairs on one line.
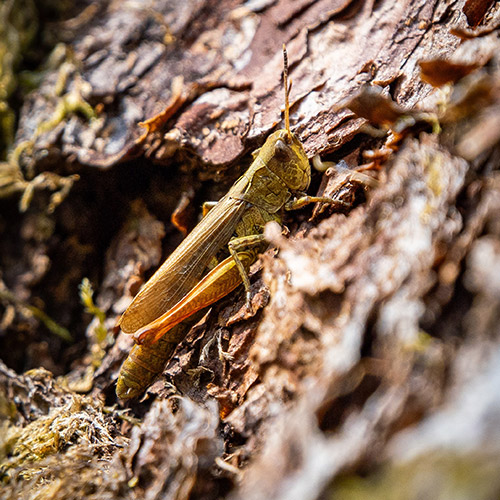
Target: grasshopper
[[175, 296]]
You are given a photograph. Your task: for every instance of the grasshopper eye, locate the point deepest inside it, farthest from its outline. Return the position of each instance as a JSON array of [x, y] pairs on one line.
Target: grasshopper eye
[[282, 151]]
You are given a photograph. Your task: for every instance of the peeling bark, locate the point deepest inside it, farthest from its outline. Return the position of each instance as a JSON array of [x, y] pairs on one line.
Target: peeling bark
[[369, 364]]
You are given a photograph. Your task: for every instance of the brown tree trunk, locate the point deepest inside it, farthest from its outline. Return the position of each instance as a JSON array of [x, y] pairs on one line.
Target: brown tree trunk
[[369, 365]]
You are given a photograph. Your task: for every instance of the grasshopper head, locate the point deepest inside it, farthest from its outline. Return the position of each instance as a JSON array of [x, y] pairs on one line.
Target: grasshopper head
[[283, 153], [286, 158]]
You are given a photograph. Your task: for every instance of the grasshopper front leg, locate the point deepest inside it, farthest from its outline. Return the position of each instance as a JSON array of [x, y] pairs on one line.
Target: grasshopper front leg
[[306, 200]]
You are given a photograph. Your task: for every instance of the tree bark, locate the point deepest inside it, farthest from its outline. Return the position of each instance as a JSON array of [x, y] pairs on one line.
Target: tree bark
[[369, 364]]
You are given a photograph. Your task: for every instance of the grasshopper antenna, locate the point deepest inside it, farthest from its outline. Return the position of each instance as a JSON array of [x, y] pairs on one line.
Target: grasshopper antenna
[[287, 91]]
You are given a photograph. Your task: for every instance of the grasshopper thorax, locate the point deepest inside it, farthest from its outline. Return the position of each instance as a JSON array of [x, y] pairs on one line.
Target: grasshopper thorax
[[284, 155]]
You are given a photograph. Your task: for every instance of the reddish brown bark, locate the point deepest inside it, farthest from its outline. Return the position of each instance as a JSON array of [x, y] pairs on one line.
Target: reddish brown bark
[[369, 363]]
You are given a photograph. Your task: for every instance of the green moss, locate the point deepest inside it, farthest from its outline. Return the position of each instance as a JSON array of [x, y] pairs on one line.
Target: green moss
[[438, 475], [18, 27]]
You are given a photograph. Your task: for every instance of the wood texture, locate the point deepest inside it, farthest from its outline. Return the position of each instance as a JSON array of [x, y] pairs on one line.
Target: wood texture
[[369, 366]]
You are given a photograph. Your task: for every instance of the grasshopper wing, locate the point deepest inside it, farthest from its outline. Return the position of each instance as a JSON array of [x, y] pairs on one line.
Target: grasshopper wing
[[185, 266]]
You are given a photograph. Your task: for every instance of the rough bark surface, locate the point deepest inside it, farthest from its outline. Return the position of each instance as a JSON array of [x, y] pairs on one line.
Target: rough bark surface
[[370, 364]]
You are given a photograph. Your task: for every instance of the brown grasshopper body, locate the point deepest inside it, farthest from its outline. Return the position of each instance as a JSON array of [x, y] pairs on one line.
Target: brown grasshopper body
[[168, 304]]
